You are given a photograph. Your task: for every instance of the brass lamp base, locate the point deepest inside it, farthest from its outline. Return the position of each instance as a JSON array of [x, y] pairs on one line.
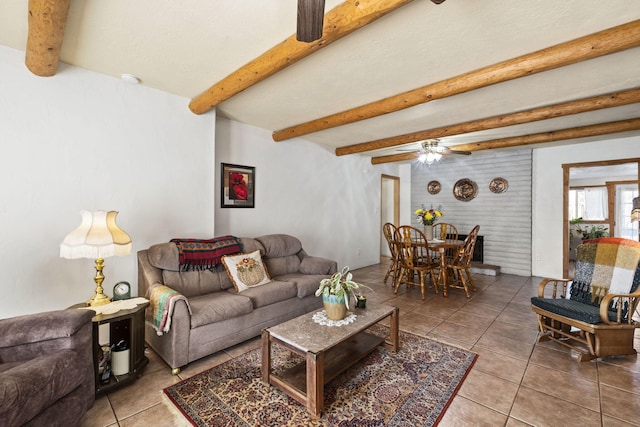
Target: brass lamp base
[[99, 298]]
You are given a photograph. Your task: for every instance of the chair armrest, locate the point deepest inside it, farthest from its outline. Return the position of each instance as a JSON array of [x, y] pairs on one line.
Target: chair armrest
[[555, 282], [632, 300], [40, 327], [318, 265]]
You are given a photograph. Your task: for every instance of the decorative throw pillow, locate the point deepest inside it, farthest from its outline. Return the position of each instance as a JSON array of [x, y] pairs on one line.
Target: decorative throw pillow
[[246, 270]]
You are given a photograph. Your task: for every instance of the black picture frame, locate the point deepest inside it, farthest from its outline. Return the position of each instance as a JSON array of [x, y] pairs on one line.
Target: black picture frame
[[238, 185]]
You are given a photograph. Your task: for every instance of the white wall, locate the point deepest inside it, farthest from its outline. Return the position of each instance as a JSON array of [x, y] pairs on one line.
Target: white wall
[[547, 194], [406, 214], [387, 209], [332, 204], [80, 140]]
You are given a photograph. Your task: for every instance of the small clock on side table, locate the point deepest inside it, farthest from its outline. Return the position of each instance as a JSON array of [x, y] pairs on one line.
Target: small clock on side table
[[121, 290]]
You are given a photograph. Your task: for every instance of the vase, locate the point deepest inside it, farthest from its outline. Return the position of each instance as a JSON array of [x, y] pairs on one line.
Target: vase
[[428, 232], [334, 307]]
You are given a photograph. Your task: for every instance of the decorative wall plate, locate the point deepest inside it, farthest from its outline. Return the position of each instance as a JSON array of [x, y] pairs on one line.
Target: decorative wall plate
[[498, 185], [465, 190], [433, 187]]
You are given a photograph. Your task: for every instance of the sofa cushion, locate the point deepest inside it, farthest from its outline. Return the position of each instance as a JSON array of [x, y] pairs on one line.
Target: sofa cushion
[[273, 292], [283, 265], [572, 309], [218, 306], [194, 283], [279, 245], [246, 270], [164, 256], [249, 245], [306, 284], [30, 387], [317, 265], [10, 365]]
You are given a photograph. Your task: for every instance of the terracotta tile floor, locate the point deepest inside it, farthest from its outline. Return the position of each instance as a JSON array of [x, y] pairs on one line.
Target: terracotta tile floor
[[515, 381]]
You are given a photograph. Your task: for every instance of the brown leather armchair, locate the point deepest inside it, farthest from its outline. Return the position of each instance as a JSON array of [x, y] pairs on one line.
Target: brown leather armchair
[[46, 368]]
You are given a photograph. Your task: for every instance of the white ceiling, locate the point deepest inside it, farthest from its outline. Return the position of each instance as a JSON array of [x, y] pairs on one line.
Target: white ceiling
[[183, 47]]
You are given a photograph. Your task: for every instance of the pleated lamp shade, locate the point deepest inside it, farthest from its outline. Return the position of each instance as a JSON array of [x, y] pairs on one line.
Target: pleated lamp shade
[[98, 236]]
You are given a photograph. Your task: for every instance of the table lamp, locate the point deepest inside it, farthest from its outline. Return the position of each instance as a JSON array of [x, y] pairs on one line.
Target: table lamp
[[97, 237]]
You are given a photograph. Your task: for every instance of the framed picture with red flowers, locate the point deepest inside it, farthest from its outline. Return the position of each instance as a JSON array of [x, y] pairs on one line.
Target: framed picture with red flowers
[[238, 186]]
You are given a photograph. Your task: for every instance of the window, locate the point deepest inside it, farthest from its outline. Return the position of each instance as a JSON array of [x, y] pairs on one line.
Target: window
[[624, 203], [589, 203]]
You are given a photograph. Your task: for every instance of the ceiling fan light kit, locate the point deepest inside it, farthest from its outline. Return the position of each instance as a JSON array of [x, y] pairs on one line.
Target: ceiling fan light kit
[[431, 151], [429, 157]]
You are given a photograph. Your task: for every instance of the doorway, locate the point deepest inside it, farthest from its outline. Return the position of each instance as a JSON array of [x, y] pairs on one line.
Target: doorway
[[617, 183], [389, 208]]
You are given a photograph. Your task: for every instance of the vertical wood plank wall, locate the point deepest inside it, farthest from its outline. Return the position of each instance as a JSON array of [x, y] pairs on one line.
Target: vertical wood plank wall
[[504, 218]]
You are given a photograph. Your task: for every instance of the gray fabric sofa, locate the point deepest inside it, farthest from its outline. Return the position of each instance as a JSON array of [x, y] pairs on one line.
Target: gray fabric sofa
[[47, 376], [220, 317]]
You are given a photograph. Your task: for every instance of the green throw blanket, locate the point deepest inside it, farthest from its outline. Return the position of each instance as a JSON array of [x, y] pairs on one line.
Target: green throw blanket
[[162, 300]]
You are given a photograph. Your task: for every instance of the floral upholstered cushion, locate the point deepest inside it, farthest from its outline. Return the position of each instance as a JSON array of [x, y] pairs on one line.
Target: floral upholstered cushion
[[246, 270]]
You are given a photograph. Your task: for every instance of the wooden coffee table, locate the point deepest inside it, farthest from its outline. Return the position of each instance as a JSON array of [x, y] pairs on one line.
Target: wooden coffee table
[[327, 350]]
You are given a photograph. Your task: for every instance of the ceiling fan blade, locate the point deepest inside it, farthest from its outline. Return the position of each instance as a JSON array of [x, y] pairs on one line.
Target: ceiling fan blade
[[310, 20], [446, 150]]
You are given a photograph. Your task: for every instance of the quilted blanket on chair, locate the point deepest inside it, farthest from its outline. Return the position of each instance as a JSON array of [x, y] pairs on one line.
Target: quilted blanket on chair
[[606, 265]]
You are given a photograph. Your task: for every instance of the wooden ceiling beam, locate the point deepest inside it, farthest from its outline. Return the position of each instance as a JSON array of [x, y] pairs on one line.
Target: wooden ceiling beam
[[536, 114], [537, 138], [47, 21], [605, 42], [338, 22]]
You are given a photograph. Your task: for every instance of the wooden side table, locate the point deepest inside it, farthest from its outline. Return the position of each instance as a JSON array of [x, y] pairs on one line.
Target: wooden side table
[[128, 325]]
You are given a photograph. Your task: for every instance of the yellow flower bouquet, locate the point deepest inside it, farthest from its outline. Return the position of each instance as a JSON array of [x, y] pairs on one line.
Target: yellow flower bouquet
[[428, 216]]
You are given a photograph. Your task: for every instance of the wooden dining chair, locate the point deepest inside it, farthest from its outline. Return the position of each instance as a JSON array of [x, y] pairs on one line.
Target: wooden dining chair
[[388, 229], [414, 258], [444, 231], [460, 264]]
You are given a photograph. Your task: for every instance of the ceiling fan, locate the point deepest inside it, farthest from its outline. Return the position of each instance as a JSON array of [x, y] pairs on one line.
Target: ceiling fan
[[430, 151]]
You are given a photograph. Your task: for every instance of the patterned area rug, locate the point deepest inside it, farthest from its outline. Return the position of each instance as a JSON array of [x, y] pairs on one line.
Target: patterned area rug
[[410, 388]]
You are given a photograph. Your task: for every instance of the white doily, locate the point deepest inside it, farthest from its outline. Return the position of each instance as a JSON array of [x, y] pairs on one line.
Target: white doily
[[321, 318], [116, 306]]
